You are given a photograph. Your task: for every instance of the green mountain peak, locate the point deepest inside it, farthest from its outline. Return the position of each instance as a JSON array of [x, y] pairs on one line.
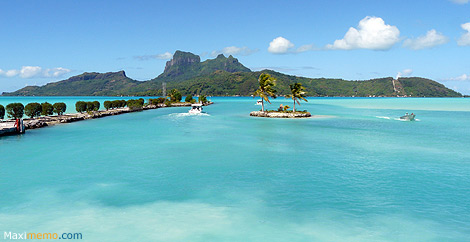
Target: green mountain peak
[[186, 65]]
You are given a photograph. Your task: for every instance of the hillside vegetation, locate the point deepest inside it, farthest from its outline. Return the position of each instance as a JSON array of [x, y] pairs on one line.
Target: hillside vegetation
[[223, 76]]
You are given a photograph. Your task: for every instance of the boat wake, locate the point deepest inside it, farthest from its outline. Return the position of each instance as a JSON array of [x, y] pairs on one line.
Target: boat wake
[[182, 115], [397, 119]]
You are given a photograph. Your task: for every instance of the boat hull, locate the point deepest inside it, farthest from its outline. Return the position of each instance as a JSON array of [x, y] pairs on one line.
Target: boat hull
[[409, 117]]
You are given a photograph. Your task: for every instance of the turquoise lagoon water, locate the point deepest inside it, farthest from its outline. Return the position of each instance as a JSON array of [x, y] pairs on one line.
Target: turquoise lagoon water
[[355, 173]]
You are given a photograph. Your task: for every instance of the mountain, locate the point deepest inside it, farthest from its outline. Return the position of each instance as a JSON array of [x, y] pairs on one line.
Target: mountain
[[93, 84], [226, 76], [222, 83], [186, 65]]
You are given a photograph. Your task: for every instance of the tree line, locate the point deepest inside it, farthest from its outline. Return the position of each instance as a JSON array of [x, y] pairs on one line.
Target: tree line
[[131, 103], [174, 96], [18, 110]]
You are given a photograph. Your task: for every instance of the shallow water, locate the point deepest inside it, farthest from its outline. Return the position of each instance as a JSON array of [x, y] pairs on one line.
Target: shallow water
[[163, 175]]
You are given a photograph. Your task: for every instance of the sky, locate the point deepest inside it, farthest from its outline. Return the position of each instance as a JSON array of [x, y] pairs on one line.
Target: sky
[[46, 41]]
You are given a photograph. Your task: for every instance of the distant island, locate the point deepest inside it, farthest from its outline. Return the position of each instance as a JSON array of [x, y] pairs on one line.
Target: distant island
[[224, 76]]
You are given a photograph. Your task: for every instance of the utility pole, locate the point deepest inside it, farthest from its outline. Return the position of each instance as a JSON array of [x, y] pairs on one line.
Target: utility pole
[[164, 89]]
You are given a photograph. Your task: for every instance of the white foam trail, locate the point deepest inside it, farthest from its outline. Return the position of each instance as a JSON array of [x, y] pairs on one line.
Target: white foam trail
[[397, 119], [180, 115], [404, 120]]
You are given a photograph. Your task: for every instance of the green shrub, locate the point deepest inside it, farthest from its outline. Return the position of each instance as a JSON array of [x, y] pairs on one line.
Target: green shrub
[[33, 110], [115, 104], [90, 106], [15, 110], [118, 103], [156, 101], [47, 109], [189, 99], [59, 108], [96, 105], [135, 103], [108, 105], [175, 95], [2, 111], [202, 99], [80, 106], [167, 103], [153, 101]]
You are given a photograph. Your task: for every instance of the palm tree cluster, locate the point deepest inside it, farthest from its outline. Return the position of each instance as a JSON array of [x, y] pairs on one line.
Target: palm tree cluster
[[297, 93], [266, 90]]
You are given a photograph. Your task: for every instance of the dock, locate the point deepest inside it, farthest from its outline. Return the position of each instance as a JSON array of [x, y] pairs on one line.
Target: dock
[[12, 127]]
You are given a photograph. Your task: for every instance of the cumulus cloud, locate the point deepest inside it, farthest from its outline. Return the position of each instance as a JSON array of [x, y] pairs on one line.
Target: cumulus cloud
[[371, 33], [9, 73], [280, 45], [57, 72], [35, 72], [431, 39], [460, 1], [464, 40], [461, 78], [30, 71], [405, 72], [234, 50], [164, 56]]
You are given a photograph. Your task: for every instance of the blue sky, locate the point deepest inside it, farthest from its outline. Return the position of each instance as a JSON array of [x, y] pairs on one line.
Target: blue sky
[[45, 41]]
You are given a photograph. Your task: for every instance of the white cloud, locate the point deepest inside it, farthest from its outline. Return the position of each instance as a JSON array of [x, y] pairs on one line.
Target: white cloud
[[57, 72], [9, 73], [280, 45], [164, 56], [234, 50], [30, 71], [35, 72], [405, 72], [305, 48], [371, 33], [431, 39], [464, 40], [461, 78], [460, 1]]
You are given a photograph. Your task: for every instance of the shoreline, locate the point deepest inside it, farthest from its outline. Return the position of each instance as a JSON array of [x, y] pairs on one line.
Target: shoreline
[[7, 127], [275, 114]]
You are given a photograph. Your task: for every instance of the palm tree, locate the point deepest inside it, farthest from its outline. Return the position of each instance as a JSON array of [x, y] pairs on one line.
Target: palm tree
[[265, 90], [298, 92]]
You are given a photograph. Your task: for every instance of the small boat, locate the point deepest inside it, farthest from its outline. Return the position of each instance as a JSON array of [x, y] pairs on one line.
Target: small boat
[[196, 108], [259, 102], [408, 117]]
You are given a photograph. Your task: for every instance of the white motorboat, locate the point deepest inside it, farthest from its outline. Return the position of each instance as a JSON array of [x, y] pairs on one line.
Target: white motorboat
[[408, 117], [196, 108], [259, 102]]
